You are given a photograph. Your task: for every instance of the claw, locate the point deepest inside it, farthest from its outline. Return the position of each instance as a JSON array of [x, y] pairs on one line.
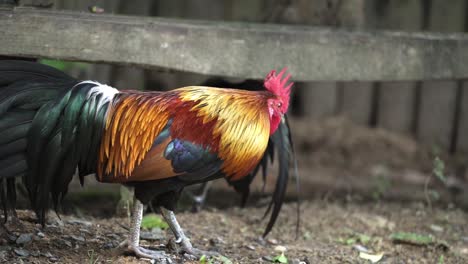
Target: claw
[[151, 254]]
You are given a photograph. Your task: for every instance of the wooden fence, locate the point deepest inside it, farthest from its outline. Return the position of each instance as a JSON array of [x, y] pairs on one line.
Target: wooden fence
[[406, 81]]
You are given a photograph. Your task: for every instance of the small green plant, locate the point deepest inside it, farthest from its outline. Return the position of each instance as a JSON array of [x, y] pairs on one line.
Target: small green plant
[[63, 65], [355, 238], [151, 221], [439, 169], [412, 238], [92, 257], [205, 260], [381, 184], [280, 258]]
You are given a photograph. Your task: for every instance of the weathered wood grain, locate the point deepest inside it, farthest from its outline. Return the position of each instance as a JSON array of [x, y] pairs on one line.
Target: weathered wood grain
[[233, 49], [437, 113], [396, 102]]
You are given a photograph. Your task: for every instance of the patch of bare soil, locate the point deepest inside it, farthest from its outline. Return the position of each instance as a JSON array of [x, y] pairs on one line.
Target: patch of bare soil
[[329, 233]]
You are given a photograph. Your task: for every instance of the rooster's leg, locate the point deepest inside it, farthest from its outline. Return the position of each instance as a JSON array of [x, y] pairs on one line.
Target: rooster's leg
[[199, 200], [133, 241], [181, 239]]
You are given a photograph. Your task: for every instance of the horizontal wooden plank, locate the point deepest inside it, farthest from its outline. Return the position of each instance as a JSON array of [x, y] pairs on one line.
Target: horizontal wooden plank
[[233, 49]]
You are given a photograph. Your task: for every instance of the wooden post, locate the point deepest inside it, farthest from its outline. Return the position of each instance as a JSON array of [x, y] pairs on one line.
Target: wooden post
[[397, 99], [319, 99], [356, 98], [438, 98]]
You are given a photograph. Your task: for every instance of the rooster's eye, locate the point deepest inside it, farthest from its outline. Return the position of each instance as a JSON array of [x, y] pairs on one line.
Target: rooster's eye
[[279, 104]]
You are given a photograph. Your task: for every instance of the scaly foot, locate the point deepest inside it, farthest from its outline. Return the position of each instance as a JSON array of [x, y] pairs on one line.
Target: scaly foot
[[141, 252]]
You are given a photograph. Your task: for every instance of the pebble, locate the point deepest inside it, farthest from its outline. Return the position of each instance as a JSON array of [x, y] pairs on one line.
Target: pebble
[[108, 245], [46, 254], [21, 252], [436, 228], [361, 248], [83, 230], [114, 236], [79, 222], [78, 238], [24, 239], [250, 247], [267, 258], [66, 242], [40, 234], [53, 259], [297, 261], [217, 241], [272, 241]]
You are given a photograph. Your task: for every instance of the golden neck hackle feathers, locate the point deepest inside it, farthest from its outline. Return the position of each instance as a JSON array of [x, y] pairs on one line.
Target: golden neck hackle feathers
[[242, 124], [238, 119]]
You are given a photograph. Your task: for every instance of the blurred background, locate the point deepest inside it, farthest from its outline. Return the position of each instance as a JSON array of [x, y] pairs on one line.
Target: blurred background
[[355, 140]]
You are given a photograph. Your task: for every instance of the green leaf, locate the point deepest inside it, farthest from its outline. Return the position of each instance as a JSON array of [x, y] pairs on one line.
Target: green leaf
[[280, 259], [151, 221], [64, 65], [364, 238], [60, 65], [355, 238], [438, 169], [412, 238]]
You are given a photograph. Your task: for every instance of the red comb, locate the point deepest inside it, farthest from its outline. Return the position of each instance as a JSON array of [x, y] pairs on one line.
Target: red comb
[[274, 84]]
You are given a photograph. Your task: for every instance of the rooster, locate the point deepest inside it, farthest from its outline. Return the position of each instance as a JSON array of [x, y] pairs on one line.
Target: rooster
[[53, 125]]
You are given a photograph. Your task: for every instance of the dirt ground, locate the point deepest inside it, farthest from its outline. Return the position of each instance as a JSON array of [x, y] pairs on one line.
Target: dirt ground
[[329, 233], [359, 187]]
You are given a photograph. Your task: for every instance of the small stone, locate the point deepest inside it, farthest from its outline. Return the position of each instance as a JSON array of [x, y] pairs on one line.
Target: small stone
[[108, 245], [21, 252], [361, 248], [46, 254], [436, 228], [216, 241], [53, 259], [114, 236], [40, 234], [280, 248], [250, 247], [272, 241], [267, 258], [297, 261], [24, 239], [83, 230], [78, 238], [66, 242], [79, 222]]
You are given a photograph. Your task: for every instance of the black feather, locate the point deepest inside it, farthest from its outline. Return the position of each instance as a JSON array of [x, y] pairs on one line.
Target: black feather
[[44, 114]]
